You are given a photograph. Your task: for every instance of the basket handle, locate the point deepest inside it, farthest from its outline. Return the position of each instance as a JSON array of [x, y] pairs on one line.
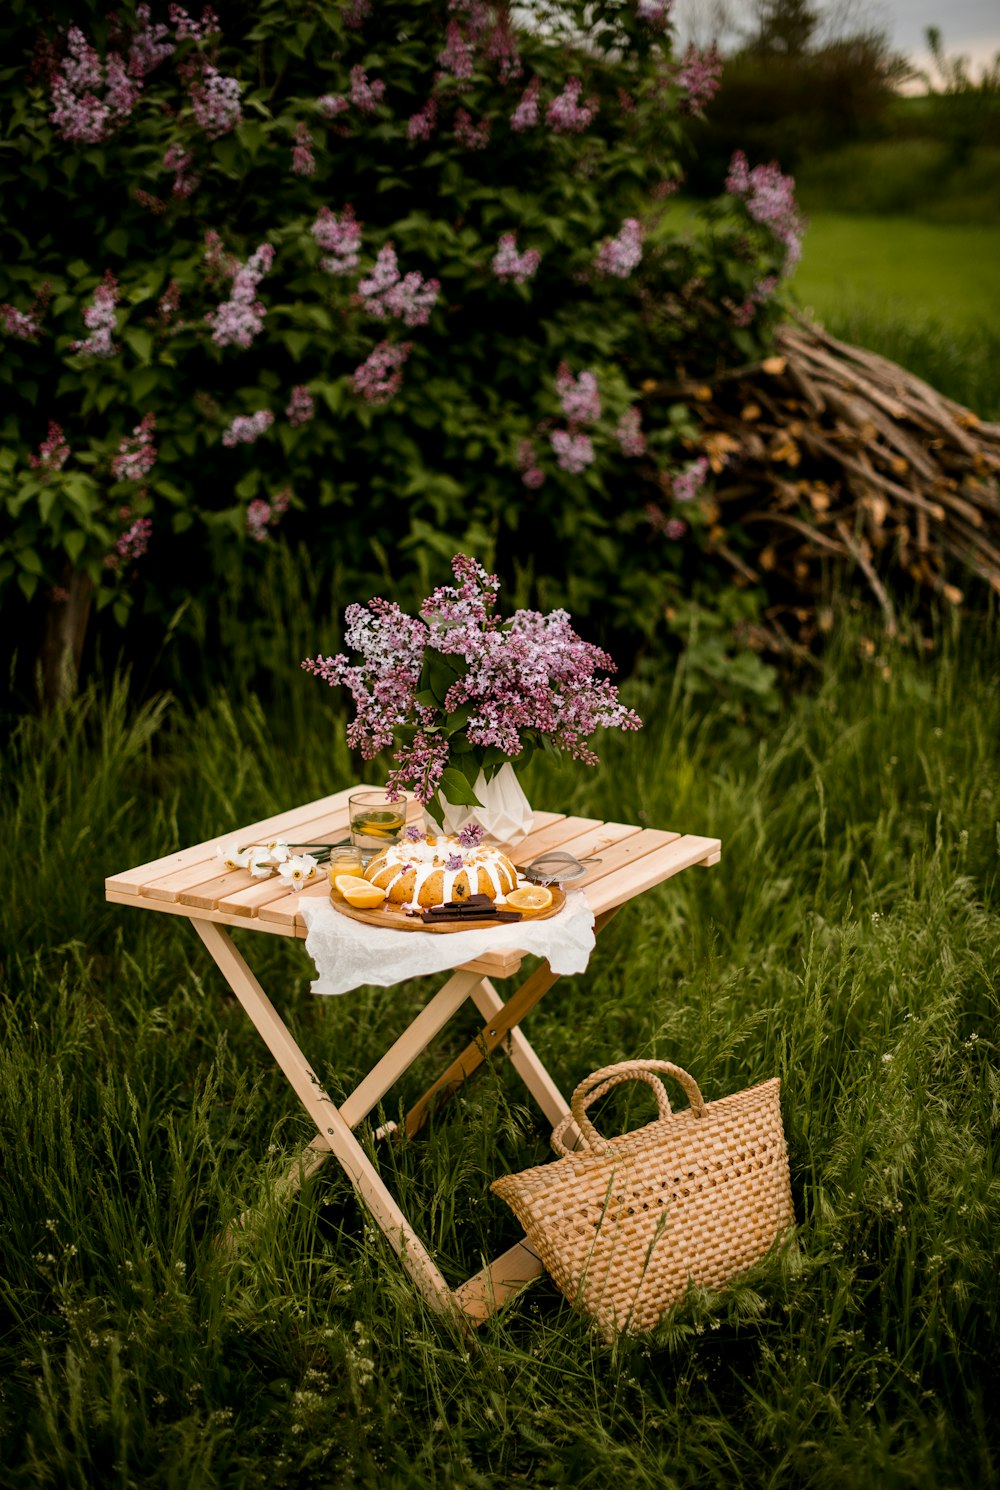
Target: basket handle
[[626, 1073], [588, 1090]]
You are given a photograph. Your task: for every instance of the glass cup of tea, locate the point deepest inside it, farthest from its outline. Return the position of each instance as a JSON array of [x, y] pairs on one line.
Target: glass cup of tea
[[376, 820]]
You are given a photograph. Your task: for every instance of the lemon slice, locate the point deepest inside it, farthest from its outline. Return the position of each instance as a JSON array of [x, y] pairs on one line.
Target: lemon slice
[[530, 899], [359, 893]]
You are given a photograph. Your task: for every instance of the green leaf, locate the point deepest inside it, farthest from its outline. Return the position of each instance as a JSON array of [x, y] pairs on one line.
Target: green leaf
[[455, 788], [73, 543], [140, 341], [28, 584], [442, 671]]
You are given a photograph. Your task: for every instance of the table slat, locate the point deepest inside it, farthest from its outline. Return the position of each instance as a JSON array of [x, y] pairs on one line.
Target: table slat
[[651, 869], [174, 885], [131, 881]]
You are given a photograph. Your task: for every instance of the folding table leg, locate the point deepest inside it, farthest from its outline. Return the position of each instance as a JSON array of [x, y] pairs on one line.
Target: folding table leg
[[496, 1030], [523, 1057], [328, 1119]]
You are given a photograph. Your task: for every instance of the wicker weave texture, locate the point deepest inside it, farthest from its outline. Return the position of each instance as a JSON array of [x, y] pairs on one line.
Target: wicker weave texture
[[698, 1196]]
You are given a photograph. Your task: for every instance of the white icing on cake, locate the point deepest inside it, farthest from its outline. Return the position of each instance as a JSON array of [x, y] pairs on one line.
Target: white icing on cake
[[428, 856]]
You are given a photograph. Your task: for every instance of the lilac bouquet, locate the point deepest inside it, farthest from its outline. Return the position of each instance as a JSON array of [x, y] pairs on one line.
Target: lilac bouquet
[[467, 691]]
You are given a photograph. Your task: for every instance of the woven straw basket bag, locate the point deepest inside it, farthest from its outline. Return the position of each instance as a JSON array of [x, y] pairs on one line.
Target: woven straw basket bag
[[623, 1224]]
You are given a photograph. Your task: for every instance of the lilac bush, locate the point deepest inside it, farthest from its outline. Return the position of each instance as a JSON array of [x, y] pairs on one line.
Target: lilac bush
[[413, 245]]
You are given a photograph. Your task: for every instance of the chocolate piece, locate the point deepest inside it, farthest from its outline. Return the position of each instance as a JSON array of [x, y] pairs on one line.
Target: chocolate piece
[[439, 915]]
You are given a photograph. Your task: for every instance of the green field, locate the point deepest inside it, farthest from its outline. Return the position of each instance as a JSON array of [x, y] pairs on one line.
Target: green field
[[849, 942], [900, 268]]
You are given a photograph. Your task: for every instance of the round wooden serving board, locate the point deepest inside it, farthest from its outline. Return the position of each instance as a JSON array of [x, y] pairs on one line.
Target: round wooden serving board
[[395, 918]]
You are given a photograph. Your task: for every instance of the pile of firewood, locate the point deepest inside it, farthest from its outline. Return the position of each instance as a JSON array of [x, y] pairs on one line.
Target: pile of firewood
[[828, 455]]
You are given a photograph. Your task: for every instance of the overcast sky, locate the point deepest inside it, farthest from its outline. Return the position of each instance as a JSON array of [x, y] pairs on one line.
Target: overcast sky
[[968, 27]]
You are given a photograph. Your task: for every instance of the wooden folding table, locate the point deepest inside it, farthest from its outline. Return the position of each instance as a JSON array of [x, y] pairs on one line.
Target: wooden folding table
[[194, 883]]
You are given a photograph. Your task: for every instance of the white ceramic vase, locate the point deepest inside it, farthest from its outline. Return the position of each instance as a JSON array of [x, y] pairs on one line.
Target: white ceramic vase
[[505, 815]]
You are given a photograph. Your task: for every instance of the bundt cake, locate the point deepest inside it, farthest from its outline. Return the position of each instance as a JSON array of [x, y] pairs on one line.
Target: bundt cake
[[432, 869]]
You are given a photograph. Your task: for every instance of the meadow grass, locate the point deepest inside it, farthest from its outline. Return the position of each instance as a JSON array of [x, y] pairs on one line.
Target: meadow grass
[[849, 942], [927, 297], [906, 269]]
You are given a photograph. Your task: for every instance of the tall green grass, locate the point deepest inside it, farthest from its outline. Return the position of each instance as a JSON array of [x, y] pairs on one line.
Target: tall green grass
[[849, 941]]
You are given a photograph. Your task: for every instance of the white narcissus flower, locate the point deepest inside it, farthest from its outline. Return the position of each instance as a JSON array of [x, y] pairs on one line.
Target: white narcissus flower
[[278, 851], [233, 856], [298, 870], [261, 863]]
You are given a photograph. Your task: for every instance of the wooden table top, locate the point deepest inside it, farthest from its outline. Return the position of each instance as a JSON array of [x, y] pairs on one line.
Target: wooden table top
[[193, 882]]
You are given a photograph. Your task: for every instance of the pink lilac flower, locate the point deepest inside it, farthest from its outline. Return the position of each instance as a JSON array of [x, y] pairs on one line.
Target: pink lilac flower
[[699, 75], [770, 200], [246, 429], [528, 677], [78, 114], [53, 452], [332, 104], [502, 49], [341, 237], [532, 674], [674, 528], [257, 519], [384, 684], [420, 125], [180, 161], [380, 376], [384, 295], [136, 454], [525, 116], [99, 319], [365, 95], [566, 114], [454, 862], [509, 264], [574, 452], [527, 461], [664, 189], [456, 57], [215, 99], [134, 542], [654, 13], [169, 302], [356, 13], [240, 318], [303, 160], [472, 136], [219, 262], [301, 407], [472, 835], [689, 483], [149, 45], [262, 515], [581, 402], [186, 27], [619, 255], [631, 440], [19, 323], [413, 834], [156, 205], [761, 292]]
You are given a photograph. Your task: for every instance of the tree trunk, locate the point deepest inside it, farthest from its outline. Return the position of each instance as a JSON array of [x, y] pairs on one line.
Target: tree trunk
[[62, 644]]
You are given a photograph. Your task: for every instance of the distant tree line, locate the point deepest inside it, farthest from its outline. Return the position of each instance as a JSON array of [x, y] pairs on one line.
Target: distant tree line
[[797, 84]]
